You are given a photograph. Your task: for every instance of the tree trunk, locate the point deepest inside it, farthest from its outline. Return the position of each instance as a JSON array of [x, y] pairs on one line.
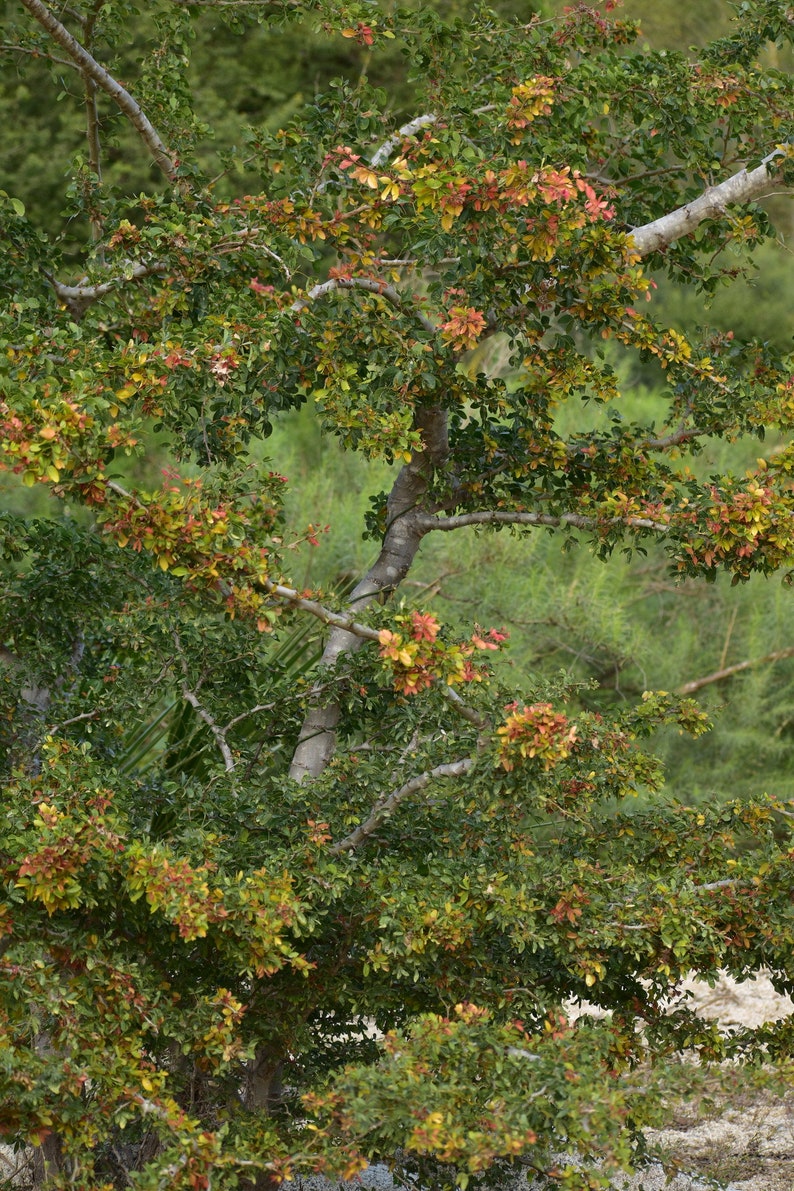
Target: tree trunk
[[401, 542]]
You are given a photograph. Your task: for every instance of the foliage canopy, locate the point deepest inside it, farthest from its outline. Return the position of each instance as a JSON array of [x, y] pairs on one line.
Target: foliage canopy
[[274, 903]]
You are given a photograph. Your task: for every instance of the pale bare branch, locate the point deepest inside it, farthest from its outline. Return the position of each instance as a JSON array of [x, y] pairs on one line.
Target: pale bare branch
[[384, 152], [742, 187], [386, 805], [77, 298], [244, 715], [696, 684], [201, 711], [371, 285], [90, 68], [322, 613], [463, 709], [429, 521]]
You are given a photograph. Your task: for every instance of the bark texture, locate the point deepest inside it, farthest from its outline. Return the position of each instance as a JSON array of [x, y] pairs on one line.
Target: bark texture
[[401, 542]]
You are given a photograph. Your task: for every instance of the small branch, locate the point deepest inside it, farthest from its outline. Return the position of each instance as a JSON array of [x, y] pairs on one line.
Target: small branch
[[34, 52], [193, 700], [371, 285], [697, 684], [217, 732], [322, 613], [122, 492], [90, 68], [463, 709], [86, 715], [739, 188], [244, 715], [384, 152], [672, 440], [428, 521], [77, 298], [385, 806]]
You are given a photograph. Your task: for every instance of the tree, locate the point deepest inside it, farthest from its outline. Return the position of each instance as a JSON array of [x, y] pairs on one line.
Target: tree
[[272, 903]]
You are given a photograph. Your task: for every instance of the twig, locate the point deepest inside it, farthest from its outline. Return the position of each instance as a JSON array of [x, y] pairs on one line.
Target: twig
[[371, 285], [92, 69], [388, 803], [697, 684]]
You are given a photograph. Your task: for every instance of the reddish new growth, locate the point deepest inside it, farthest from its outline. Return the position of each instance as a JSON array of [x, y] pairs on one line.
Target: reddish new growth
[[464, 327], [536, 731], [418, 658]]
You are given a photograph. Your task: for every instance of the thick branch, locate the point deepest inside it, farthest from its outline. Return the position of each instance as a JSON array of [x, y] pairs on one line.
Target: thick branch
[[92, 69], [386, 805], [697, 684], [428, 521], [373, 286], [740, 188], [77, 298]]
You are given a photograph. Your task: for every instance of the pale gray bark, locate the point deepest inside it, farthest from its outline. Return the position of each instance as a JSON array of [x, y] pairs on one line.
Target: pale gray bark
[[743, 187], [388, 803], [400, 545], [91, 69]]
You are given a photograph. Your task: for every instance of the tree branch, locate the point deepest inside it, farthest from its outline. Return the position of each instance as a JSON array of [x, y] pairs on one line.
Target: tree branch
[[336, 619], [92, 69], [429, 521], [9, 47], [77, 298], [689, 688], [386, 805], [373, 286], [400, 545], [739, 188], [384, 152], [193, 700]]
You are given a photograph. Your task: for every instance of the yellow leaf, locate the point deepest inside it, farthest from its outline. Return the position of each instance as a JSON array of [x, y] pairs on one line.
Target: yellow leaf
[[162, 562]]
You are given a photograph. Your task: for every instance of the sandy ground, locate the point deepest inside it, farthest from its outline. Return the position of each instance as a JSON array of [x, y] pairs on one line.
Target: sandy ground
[[755, 1141]]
